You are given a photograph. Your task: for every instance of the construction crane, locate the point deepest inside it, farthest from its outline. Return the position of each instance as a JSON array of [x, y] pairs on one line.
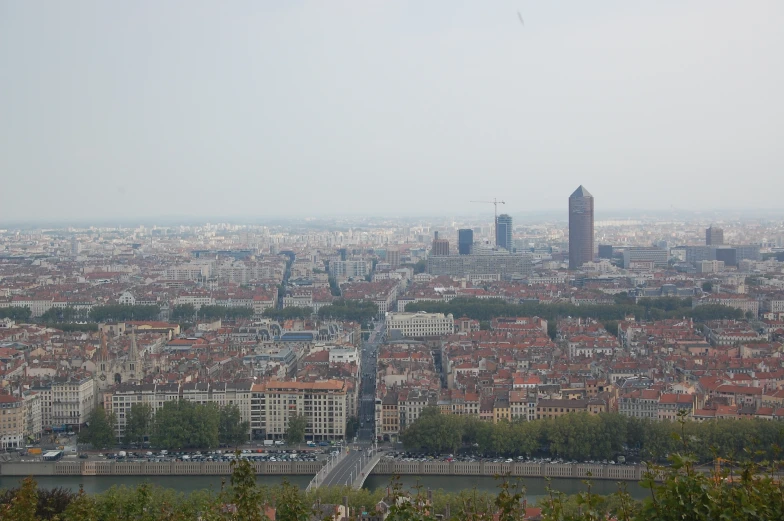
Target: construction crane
[[495, 202]]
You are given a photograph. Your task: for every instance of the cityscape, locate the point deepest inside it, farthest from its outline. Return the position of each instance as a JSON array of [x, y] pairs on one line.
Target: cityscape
[[391, 261], [329, 335]]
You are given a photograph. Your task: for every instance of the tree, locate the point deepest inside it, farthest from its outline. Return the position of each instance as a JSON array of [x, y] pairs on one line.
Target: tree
[[231, 429], [707, 287], [295, 433], [355, 310], [116, 312], [100, 429], [181, 424], [352, 426], [291, 312], [24, 504], [224, 312], [182, 313], [62, 315], [18, 314], [246, 496], [138, 424], [291, 505], [333, 287]]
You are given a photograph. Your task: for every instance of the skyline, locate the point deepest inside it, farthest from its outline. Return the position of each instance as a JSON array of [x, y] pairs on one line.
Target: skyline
[[149, 110]]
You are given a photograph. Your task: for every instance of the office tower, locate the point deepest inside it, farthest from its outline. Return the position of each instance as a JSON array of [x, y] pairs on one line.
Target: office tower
[[580, 228], [440, 246], [503, 232], [465, 241], [714, 236], [393, 257], [605, 251]]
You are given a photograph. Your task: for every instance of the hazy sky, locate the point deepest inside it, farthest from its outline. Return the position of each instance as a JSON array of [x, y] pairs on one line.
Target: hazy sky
[[259, 108]]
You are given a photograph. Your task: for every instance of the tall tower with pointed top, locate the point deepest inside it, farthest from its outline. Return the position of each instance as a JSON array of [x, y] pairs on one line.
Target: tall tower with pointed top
[[133, 358], [103, 369], [580, 228]]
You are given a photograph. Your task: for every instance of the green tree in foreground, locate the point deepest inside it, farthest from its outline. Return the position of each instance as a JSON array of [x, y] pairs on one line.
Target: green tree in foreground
[[295, 433]]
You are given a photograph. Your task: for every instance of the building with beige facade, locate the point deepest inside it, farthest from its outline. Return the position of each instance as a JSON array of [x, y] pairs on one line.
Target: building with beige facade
[[420, 324], [322, 403], [12, 421]]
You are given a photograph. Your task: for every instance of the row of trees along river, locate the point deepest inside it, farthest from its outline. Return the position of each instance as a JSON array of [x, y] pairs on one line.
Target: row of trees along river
[[584, 436]]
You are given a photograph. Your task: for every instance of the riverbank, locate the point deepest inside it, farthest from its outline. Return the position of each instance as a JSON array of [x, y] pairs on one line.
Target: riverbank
[[535, 487], [310, 468]]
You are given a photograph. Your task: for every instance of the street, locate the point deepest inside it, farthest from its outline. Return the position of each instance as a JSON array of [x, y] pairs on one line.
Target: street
[[367, 407]]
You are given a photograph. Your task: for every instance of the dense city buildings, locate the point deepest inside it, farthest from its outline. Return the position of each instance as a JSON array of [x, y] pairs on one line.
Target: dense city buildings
[[272, 321], [580, 228]]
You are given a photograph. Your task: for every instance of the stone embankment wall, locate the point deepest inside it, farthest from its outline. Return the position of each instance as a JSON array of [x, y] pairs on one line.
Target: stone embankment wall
[[169, 468], [516, 469]]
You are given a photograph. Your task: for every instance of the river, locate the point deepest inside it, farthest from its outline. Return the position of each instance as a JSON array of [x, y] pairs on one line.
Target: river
[[535, 486]]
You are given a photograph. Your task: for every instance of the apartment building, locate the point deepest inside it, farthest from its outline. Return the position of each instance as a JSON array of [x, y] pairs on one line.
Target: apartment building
[[558, 407], [503, 264], [121, 398], [12, 421], [323, 403], [357, 269], [72, 400], [32, 416], [420, 324], [747, 305]]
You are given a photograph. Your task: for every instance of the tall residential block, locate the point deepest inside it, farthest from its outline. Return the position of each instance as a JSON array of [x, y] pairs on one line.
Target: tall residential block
[[503, 232], [714, 236], [580, 228], [465, 241], [440, 246]]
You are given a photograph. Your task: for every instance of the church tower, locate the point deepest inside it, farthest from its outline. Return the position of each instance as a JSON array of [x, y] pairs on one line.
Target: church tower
[[133, 369], [104, 366]]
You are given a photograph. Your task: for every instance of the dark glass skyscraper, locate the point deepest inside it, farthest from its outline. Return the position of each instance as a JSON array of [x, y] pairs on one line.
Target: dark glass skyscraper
[[465, 241], [580, 228], [503, 232]]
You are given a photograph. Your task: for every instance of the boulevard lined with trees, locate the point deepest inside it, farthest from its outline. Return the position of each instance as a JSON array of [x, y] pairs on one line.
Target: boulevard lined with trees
[[485, 310], [583, 436], [179, 424]]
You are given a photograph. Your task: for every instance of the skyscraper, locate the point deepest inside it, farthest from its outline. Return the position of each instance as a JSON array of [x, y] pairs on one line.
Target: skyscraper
[[465, 241], [393, 257], [580, 228], [440, 246], [503, 232], [714, 236]]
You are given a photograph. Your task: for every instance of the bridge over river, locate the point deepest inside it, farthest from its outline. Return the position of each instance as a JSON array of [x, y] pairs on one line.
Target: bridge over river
[[348, 468]]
